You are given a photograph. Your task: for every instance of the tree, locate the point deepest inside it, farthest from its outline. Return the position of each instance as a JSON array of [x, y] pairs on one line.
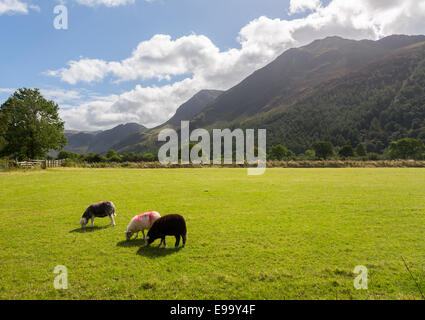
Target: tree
[[406, 148], [3, 128], [361, 150], [95, 158], [67, 155], [111, 154], [310, 154], [346, 151], [148, 157], [31, 125], [279, 152], [323, 149]]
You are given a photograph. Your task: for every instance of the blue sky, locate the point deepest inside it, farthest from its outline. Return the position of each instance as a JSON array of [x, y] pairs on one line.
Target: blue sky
[[137, 62], [34, 45]]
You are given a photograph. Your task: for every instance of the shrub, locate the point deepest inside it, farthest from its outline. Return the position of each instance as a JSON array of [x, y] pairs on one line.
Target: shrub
[[279, 152], [323, 149], [406, 148], [346, 152]]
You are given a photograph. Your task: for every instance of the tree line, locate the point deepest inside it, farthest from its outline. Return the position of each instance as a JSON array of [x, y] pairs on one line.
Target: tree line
[[403, 149], [30, 127]]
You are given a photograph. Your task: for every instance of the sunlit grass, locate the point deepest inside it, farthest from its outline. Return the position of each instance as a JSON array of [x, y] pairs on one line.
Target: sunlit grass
[[289, 234]]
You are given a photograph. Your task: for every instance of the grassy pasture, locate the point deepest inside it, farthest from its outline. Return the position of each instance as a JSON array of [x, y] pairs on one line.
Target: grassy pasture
[[289, 234]]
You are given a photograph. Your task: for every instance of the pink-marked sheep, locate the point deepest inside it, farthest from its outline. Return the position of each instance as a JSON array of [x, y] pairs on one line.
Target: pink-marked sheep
[[141, 222]]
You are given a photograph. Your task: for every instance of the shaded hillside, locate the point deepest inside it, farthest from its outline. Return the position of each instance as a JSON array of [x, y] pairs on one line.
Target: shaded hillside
[[383, 102], [101, 141], [193, 106], [78, 141], [333, 89], [296, 70]]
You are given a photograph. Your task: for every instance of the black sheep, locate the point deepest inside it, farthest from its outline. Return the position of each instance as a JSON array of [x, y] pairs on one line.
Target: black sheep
[[169, 225]]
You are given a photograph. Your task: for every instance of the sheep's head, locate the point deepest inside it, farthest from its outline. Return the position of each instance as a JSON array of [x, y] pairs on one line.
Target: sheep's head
[[128, 235], [149, 239], [83, 222]]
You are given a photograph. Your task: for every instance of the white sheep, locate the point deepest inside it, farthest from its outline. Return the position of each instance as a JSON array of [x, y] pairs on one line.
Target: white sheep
[[141, 222]]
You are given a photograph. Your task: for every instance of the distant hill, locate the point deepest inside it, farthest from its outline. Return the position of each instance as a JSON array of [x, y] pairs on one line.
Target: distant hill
[[184, 113], [99, 141], [334, 89]]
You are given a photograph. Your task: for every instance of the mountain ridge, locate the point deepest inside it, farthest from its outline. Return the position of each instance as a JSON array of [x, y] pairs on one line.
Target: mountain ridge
[[99, 141], [335, 89]]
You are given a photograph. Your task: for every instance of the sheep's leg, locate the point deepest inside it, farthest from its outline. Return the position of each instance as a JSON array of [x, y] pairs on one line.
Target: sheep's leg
[[112, 221], [184, 240], [92, 222], [165, 245], [160, 243], [177, 241], [144, 237]]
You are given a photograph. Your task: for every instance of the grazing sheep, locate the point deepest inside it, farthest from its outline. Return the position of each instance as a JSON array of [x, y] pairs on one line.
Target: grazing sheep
[[141, 222], [98, 209], [170, 225]]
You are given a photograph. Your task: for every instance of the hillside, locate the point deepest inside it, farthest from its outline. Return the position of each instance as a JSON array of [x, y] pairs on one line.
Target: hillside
[[100, 141], [194, 106], [183, 113], [333, 89]]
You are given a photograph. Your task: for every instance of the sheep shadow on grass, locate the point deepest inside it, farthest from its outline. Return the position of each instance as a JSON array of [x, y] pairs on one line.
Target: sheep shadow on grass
[[89, 229], [131, 243], [155, 252]]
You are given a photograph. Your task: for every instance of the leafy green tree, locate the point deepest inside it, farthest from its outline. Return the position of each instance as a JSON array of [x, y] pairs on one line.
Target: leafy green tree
[[361, 150], [406, 148], [148, 157], [95, 158], [279, 152], [111, 154], [323, 149], [346, 152], [310, 154], [30, 125], [3, 129], [67, 155]]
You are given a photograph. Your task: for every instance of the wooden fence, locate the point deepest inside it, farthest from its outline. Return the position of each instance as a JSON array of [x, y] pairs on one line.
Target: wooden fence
[[44, 164]]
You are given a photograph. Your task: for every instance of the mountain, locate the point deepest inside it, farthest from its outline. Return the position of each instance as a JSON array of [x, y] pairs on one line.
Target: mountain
[[193, 106], [290, 76], [334, 89], [78, 141], [99, 141], [183, 113]]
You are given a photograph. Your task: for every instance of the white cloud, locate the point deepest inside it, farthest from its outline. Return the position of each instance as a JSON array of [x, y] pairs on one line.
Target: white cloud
[[297, 6], [207, 67], [7, 90], [61, 96], [13, 6]]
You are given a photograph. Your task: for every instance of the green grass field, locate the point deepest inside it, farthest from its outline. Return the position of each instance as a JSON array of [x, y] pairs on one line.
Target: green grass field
[[289, 234]]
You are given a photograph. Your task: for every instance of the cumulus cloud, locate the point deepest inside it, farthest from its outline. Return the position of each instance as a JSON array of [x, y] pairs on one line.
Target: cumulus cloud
[[205, 66], [297, 6], [61, 96], [14, 6]]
